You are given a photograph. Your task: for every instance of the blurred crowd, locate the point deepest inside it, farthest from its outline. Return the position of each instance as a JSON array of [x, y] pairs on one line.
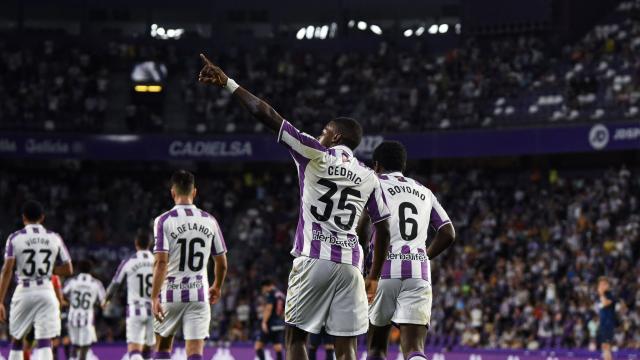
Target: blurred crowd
[[482, 82], [521, 274]]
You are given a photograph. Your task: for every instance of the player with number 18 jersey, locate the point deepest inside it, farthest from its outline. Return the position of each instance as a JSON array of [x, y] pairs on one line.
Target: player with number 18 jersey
[[136, 271]]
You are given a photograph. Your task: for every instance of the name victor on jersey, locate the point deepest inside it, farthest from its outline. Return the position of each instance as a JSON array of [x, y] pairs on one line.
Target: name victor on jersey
[[36, 241], [340, 171], [405, 189], [192, 227]]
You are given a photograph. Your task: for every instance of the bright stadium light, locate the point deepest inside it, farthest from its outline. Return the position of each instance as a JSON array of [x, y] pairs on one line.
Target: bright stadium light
[[458, 28], [408, 33], [433, 29], [300, 34], [309, 32], [376, 29], [324, 31], [443, 28], [362, 25], [351, 23], [333, 29], [420, 31]]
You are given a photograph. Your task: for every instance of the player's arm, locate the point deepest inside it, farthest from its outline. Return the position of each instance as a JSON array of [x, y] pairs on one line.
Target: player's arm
[[215, 291], [445, 236], [65, 268], [116, 282], [380, 248], [211, 74], [160, 264], [445, 233], [266, 315], [5, 276]]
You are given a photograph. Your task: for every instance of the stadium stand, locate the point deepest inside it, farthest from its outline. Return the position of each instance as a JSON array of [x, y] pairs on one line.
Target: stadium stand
[[531, 244]]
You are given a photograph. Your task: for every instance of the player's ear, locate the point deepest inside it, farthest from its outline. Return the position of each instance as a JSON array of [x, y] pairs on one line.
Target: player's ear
[[173, 193], [194, 192], [337, 138], [41, 220]]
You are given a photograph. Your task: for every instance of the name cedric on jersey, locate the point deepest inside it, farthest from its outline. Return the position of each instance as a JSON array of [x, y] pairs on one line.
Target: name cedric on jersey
[[192, 227], [340, 171]]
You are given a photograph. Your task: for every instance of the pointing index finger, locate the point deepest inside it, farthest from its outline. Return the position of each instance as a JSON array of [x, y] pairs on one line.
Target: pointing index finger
[[206, 61]]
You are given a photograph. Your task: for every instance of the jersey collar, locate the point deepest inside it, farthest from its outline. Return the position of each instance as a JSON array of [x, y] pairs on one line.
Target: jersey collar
[[343, 148], [181, 206], [33, 225], [395, 173]]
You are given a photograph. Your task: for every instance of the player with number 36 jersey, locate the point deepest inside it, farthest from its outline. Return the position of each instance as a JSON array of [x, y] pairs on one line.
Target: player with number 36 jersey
[[185, 238]]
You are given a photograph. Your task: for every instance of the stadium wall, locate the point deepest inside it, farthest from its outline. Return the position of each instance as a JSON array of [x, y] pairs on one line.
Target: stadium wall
[[262, 147]]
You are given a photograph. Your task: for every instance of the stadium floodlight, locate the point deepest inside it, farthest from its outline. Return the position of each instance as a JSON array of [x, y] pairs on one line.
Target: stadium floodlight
[[333, 29], [171, 33], [309, 32], [376, 29], [420, 31], [443, 28], [433, 29], [458, 28], [362, 25], [160, 31], [408, 33], [351, 23], [324, 31], [300, 34]]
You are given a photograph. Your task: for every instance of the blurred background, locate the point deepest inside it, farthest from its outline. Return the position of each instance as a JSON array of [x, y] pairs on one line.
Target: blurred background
[[522, 117]]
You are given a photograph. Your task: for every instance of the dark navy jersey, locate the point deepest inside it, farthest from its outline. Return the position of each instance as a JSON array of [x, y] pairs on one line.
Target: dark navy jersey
[[607, 313], [276, 298]]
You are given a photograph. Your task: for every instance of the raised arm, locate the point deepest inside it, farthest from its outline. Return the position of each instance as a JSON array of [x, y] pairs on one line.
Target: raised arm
[[212, 74]]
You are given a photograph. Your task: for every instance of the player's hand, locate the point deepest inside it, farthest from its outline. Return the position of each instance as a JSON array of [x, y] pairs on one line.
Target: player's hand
[[3, 314], [265, 327], [214, 294], [156, 308], [104, 305], [211, 74], [372, 287]]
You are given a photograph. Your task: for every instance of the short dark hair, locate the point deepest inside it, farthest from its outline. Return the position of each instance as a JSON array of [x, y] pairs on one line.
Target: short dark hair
[[143, 239], [84, 266], [391, 155], [32, 210], [183, 181], [350, 129]]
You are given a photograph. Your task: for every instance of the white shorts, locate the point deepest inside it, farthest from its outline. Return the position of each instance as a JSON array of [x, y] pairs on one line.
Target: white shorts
[[401, 301], [193, 317], [36, 308], [140, 330], [82, 335], [324, 293]]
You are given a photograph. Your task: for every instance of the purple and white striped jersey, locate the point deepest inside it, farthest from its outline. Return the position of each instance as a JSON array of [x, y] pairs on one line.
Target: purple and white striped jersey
[[190, 236], [83, 292], [335, 188], [36, 250], [413, 208], [137, 270]]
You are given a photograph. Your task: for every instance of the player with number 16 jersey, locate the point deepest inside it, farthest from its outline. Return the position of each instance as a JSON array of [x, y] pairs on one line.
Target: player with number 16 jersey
[[185, 238]]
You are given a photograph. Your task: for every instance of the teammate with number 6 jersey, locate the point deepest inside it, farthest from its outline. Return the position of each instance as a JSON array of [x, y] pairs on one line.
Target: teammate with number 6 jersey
[[83, 293], [326, 288], [137, 271], [35, 253], [185, 238], [404, 292]]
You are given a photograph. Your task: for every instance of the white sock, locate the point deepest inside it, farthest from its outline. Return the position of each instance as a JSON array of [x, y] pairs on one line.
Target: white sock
[[417, 357], [44, 353], [15, 355], [135, 357]]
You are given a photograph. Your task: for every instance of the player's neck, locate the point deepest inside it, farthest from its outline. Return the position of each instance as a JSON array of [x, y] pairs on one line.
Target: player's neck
[[183, 201], [31, 223]]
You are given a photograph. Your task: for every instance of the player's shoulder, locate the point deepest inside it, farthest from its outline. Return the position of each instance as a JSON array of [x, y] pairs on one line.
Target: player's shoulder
[[165, 215], [17, 233]]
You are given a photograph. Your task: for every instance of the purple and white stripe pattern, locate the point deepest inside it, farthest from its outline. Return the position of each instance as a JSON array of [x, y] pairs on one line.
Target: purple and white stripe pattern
[[414, 208], [335, 189], [84, 293], [33, 242], [185, 228]]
